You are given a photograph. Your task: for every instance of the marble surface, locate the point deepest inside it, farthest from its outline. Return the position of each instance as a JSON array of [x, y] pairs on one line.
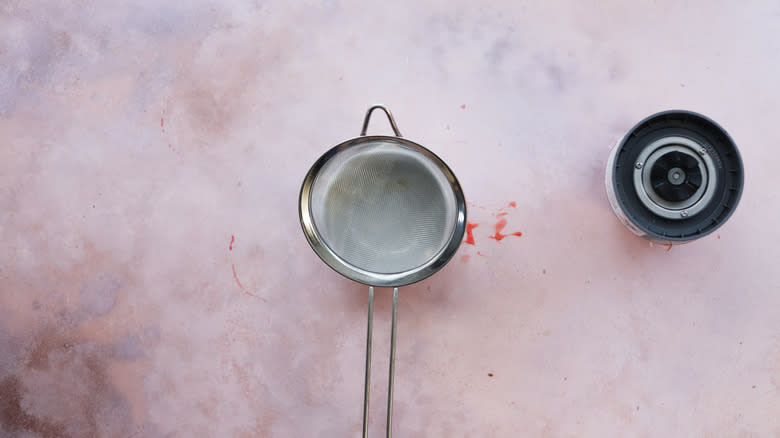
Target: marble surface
[[155, 282]]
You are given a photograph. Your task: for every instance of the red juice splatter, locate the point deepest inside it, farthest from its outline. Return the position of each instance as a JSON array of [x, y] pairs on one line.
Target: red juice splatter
[[502, 214], [463, 106], [243, 289], [469, 235], [513, 204], [232, 239], [465, 258], [500, 226], [246, 292], [238, 282], [161, 122]]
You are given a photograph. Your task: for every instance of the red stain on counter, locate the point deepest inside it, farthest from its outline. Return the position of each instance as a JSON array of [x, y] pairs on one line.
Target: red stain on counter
[[500, 216], [232, 239], [465, 258], [500, 226], [243, 289], [463, 106], [238, 282], [469, 234]]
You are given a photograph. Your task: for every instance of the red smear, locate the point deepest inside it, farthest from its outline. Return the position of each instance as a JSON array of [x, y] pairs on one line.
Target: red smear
[[246, 292], [238, 282], [511, 204], [243, 289], [480, 254], [232, 239], [161, 122], [502, 214], [465, 258], [670, 248], [544, 271], [500, 226], [463, 106], [469, 235]]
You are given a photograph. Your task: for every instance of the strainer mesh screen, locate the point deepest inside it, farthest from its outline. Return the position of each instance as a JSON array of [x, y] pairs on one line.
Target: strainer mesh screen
[[383, 207]]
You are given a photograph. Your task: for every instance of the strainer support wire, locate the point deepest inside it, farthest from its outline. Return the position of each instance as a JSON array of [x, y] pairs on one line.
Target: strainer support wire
[[389, 426], [366, 386]]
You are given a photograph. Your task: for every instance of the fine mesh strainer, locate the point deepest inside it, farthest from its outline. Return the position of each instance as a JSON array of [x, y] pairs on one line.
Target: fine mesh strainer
[[382, 211]]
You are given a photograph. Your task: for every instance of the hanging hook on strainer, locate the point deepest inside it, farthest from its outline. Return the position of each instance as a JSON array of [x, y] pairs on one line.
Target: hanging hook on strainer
[[386, 212]]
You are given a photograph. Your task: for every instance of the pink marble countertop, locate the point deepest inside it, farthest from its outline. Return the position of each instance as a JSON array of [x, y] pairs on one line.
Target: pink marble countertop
[[155, 282]]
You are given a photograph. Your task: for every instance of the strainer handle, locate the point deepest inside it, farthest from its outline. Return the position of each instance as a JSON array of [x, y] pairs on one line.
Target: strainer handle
[[389, 116], [389, 426]]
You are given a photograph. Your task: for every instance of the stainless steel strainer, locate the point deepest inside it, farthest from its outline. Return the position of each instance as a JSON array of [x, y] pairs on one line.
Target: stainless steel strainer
[[383, 211]]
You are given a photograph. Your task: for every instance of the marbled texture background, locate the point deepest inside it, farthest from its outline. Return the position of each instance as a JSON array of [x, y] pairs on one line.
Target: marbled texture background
[[154, 280]]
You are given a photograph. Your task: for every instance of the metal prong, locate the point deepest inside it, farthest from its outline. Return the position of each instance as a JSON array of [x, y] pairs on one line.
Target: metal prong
[[368, 363], [389, 117], [368, 360], [392, 366]]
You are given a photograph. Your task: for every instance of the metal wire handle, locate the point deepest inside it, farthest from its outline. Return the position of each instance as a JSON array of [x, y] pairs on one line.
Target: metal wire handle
[[367, 384], [368, 356], [389, 116]]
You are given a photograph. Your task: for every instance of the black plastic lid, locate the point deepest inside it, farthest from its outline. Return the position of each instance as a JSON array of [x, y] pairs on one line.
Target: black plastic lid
[[729, 176]]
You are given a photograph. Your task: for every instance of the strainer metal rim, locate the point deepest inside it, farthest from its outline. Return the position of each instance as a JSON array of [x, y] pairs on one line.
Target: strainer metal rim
[[372, 278]]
